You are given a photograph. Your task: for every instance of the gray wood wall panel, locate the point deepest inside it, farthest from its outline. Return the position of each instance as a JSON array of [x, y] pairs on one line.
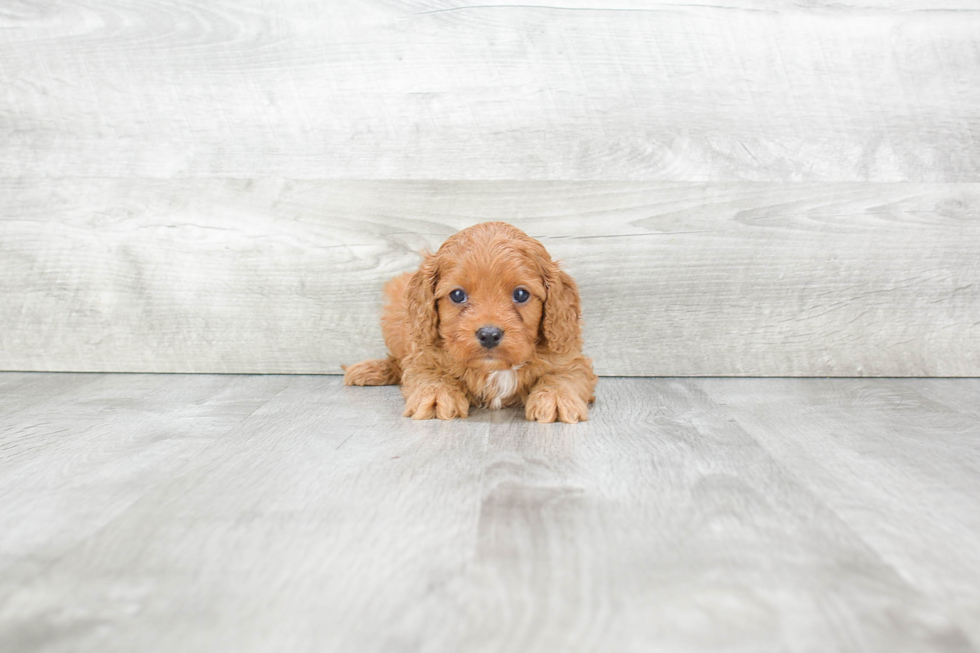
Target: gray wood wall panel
[[677, 278], [741, 187], [430, 89]]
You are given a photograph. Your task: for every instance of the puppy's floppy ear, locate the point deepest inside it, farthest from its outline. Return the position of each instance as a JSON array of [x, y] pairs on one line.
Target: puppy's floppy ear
[[421, 303], [560, 325]]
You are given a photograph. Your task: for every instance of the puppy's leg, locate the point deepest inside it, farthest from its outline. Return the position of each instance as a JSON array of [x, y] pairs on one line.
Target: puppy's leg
[[373, 372], [563, 394], [429, 394]]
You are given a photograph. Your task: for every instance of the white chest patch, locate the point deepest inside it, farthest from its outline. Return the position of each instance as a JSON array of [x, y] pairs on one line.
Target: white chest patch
[[500, 386]]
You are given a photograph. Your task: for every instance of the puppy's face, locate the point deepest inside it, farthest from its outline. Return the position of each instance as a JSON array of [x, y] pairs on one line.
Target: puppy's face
[[490, 303], [490, 297]]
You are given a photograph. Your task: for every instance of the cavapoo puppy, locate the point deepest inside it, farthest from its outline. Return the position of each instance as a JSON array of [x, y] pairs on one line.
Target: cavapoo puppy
[[488, 320]]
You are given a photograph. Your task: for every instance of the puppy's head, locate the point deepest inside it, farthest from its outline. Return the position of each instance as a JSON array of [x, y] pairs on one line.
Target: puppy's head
[[490, 297]]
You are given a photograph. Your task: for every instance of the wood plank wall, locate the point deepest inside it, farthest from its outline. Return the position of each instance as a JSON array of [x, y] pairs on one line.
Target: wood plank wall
[[743, 187]]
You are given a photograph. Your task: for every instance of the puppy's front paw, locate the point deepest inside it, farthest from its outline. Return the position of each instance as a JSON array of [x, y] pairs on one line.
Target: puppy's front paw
[[549, 404], [441, 401]]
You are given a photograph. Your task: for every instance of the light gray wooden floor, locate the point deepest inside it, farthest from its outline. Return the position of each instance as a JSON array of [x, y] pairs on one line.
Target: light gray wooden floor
[[275, 513]]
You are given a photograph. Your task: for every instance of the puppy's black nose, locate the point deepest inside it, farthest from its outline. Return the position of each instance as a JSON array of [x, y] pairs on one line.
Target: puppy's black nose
[[489, 337]]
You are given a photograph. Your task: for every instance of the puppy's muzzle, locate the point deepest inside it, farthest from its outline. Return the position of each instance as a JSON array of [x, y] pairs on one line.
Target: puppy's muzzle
[[489, 337]]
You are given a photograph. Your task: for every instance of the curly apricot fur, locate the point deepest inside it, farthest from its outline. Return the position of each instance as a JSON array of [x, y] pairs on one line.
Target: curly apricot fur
[[434, 354]]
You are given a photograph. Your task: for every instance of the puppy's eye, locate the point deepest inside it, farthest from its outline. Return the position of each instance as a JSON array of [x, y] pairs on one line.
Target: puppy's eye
[[521, 295], [457, 296]]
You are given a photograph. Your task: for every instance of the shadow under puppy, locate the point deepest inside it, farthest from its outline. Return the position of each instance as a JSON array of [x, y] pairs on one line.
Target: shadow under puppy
[[488, 320]]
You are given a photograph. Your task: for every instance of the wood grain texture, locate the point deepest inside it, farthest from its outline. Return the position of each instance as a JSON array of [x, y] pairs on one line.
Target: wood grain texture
[[211, 514], [87, 447], [281, 276], [640, 89], [902, 470], [223, 188]]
